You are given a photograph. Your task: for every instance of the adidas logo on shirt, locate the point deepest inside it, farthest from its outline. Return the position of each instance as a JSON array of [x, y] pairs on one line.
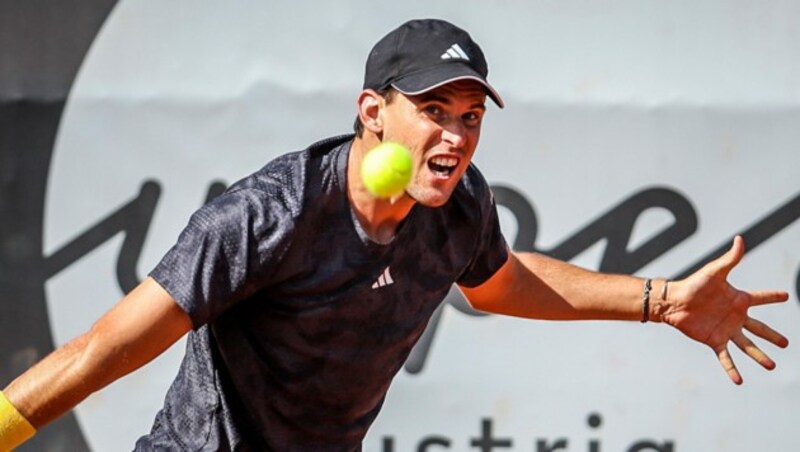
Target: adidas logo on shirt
[[384, 280], [455, 52]]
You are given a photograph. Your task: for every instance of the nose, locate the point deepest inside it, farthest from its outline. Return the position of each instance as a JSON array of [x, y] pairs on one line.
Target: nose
[[454, 133]]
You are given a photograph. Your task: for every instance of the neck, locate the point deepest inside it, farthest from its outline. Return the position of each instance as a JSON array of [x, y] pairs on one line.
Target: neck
[[378, 217]]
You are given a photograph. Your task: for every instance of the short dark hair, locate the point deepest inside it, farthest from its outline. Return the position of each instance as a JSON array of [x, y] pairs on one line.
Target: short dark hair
[[388, 95]]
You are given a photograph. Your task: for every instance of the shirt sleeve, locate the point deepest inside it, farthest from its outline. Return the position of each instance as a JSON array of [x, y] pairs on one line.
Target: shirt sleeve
[[225, 254], [490, 251]]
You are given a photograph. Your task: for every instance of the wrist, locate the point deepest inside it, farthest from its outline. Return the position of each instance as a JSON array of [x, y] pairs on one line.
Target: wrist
[[14, 428], [659, 299], [654, 302]]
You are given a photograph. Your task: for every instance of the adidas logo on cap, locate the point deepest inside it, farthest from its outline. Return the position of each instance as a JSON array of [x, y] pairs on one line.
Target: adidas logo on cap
[[455, 51]]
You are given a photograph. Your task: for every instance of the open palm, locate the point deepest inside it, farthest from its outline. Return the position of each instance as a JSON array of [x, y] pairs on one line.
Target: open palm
[[708, 309]]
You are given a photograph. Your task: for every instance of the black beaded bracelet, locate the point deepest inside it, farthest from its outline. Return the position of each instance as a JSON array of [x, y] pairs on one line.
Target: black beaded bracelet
[[648, 284]]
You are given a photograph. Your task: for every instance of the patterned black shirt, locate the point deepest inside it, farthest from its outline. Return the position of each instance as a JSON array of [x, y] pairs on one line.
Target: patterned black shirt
[[300, 320]]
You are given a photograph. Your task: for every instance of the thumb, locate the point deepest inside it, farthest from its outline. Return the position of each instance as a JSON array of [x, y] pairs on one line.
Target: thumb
[[723, 265]]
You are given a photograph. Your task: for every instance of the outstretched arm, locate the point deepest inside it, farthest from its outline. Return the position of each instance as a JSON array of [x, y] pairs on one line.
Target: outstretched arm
[[139, 328], [704, 306]]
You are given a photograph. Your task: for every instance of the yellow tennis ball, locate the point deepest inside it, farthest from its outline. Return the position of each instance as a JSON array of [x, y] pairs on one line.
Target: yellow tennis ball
[[386, 169]]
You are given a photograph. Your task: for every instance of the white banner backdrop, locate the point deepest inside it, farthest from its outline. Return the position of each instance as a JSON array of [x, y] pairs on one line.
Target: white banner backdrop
[[606, 101]]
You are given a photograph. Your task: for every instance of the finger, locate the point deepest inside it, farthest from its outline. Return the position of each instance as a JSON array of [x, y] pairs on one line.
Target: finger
[[760, 297], [723, 265], [763, 331], [751, 350], [727, 364]]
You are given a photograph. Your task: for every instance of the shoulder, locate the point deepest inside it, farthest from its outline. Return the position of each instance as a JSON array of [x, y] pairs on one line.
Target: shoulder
[[288, 180]]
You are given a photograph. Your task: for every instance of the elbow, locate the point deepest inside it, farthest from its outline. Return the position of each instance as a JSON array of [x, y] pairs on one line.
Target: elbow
[[480, 302]]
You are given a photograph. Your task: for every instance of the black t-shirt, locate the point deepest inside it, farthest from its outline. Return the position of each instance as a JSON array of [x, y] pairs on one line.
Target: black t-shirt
[[300, 320]]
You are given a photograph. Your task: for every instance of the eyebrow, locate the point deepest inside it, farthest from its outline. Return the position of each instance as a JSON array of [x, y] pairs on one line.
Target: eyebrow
[[434, 97]]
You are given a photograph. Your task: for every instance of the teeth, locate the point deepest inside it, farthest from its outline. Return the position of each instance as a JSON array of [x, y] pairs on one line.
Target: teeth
[[445, 161], [443, 165]]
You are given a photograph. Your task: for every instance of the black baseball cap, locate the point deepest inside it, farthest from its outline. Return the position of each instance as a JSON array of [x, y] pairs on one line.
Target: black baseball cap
[[424, 54]]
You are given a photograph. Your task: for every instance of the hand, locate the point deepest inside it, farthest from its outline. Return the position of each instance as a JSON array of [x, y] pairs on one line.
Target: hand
[[708, 309]]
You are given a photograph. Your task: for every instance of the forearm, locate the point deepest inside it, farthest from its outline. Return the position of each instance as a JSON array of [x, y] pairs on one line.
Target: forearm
[[57, 383], [130, 335], [536, 286]]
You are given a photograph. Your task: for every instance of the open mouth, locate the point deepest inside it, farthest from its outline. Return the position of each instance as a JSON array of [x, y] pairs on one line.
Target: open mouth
[[443, 166]]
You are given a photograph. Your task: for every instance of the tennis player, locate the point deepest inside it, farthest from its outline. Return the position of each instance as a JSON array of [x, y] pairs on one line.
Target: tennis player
[[302, 294]]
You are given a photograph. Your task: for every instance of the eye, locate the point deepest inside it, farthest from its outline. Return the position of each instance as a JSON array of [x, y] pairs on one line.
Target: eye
[[433, 110], [472, 118]]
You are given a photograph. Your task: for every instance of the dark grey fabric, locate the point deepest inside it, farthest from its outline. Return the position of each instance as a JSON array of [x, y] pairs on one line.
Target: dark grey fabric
[[301, 321]]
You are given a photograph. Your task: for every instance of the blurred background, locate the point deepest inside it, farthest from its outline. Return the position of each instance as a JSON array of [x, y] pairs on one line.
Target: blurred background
[[639, 137]]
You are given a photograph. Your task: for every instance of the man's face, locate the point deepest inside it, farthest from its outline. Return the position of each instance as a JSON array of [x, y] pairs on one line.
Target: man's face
[[441, 129]]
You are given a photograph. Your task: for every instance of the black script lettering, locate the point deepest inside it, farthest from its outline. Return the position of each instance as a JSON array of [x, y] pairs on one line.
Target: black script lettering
[[755, 234], [666, 446], [487, 442], [543, 446], [433, 441], [133, 219], [595, 421]]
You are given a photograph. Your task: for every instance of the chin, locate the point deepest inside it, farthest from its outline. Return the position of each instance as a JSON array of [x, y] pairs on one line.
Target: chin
[[430, 198], [433, 204]]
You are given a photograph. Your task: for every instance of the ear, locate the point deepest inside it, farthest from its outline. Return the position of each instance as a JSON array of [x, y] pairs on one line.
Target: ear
[[370, 104]]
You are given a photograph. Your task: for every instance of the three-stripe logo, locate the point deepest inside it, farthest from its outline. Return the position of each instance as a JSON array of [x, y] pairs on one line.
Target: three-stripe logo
[[384, 280], [455, 52]]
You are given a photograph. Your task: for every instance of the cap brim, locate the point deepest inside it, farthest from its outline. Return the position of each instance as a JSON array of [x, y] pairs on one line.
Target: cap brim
[[422, 82]]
